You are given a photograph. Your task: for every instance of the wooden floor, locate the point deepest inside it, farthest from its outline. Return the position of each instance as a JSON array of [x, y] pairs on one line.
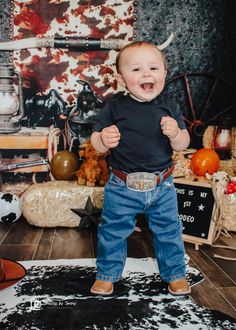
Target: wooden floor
[[21, 241]]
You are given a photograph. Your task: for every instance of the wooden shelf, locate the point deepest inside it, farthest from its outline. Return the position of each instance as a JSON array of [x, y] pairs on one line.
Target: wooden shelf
[[26, 138]]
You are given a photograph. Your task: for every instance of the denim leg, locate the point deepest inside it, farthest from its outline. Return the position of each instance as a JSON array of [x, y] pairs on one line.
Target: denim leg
[[118, 222], [162, 213]]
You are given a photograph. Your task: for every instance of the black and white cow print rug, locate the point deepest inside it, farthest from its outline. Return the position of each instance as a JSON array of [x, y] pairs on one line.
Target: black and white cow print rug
[[55, 294]]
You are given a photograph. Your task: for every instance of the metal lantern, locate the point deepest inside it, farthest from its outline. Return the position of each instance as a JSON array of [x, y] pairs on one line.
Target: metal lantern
[[11, 99]]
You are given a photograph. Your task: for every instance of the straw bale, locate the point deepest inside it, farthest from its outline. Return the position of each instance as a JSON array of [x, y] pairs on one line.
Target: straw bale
[[49, 204]]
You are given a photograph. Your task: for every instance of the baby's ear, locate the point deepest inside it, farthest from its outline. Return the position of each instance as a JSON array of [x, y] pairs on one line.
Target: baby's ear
[[120, 79], [166, 71]]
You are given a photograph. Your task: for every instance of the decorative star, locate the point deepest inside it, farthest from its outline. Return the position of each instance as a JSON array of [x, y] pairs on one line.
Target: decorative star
[[201, 207], [90, 216]]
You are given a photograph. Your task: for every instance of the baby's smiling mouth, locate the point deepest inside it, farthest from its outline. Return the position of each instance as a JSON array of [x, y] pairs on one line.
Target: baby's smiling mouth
[[148, 87]]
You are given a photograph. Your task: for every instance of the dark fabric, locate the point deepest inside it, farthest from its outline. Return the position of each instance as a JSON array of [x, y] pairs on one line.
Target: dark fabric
[[143, 146]]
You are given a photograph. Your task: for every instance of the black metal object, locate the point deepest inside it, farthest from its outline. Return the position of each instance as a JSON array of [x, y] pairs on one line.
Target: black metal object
[[77, 43], [82, 116], [204, 100], [90, 216], [14, 166], [44, 110]]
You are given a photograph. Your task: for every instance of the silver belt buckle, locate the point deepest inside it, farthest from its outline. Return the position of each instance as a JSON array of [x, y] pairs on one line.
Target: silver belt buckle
[[141, 181]]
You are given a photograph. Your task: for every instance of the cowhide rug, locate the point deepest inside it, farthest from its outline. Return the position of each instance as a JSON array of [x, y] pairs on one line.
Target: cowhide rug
[[55, 295]]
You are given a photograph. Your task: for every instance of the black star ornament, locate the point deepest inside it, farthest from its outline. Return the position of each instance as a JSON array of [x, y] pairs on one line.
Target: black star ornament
[[90, 216]]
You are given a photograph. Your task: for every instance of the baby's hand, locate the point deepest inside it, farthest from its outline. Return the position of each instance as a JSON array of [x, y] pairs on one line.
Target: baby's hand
[[110, 136], [169, 127]]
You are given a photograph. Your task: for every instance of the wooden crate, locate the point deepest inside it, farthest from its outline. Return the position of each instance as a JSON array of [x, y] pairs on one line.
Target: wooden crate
[[25, 139]]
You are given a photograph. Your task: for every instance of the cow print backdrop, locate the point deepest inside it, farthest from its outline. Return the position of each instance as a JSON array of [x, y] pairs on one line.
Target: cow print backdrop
[[44, 69], [204, 42], [203, 32], [55, 295]]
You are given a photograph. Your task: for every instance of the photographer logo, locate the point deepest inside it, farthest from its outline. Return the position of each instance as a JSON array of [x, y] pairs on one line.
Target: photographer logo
[[35, 304]]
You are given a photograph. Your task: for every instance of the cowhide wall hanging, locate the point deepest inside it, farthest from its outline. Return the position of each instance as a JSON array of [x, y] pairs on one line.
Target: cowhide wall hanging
[[203, 48]]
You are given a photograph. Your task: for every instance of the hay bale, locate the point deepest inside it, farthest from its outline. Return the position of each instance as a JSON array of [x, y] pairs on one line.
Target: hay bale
[[228, 166], [49, 204], [208, 137], [182, 161], [228, 212], [15, 188]]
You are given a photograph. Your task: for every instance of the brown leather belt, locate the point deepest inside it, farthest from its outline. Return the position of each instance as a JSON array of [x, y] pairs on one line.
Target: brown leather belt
[[123, 175]]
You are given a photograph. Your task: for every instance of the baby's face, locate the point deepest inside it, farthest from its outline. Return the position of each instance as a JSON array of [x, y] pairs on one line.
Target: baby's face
[[142, 72]]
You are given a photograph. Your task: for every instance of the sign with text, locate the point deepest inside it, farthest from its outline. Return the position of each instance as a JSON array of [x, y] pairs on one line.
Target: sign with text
[[196, 204]]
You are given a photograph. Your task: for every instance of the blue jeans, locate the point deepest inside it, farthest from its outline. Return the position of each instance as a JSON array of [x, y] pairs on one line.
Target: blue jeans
[[118, 221]]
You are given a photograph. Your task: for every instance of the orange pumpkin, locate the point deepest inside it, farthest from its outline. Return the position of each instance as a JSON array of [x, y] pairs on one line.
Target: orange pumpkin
[[204, 161]]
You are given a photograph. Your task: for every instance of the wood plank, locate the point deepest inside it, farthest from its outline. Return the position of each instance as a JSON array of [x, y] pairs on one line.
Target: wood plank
[[94, 241], [43, 249], [26, 138], [24, 142], [29, 131], [22, 233], [140, 245], [229, 266], [230, 295], [230, 241], [70, 243], [207, 266], [17, 252], [206, 294], [21, 241], [4, 230], [200, 181]]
